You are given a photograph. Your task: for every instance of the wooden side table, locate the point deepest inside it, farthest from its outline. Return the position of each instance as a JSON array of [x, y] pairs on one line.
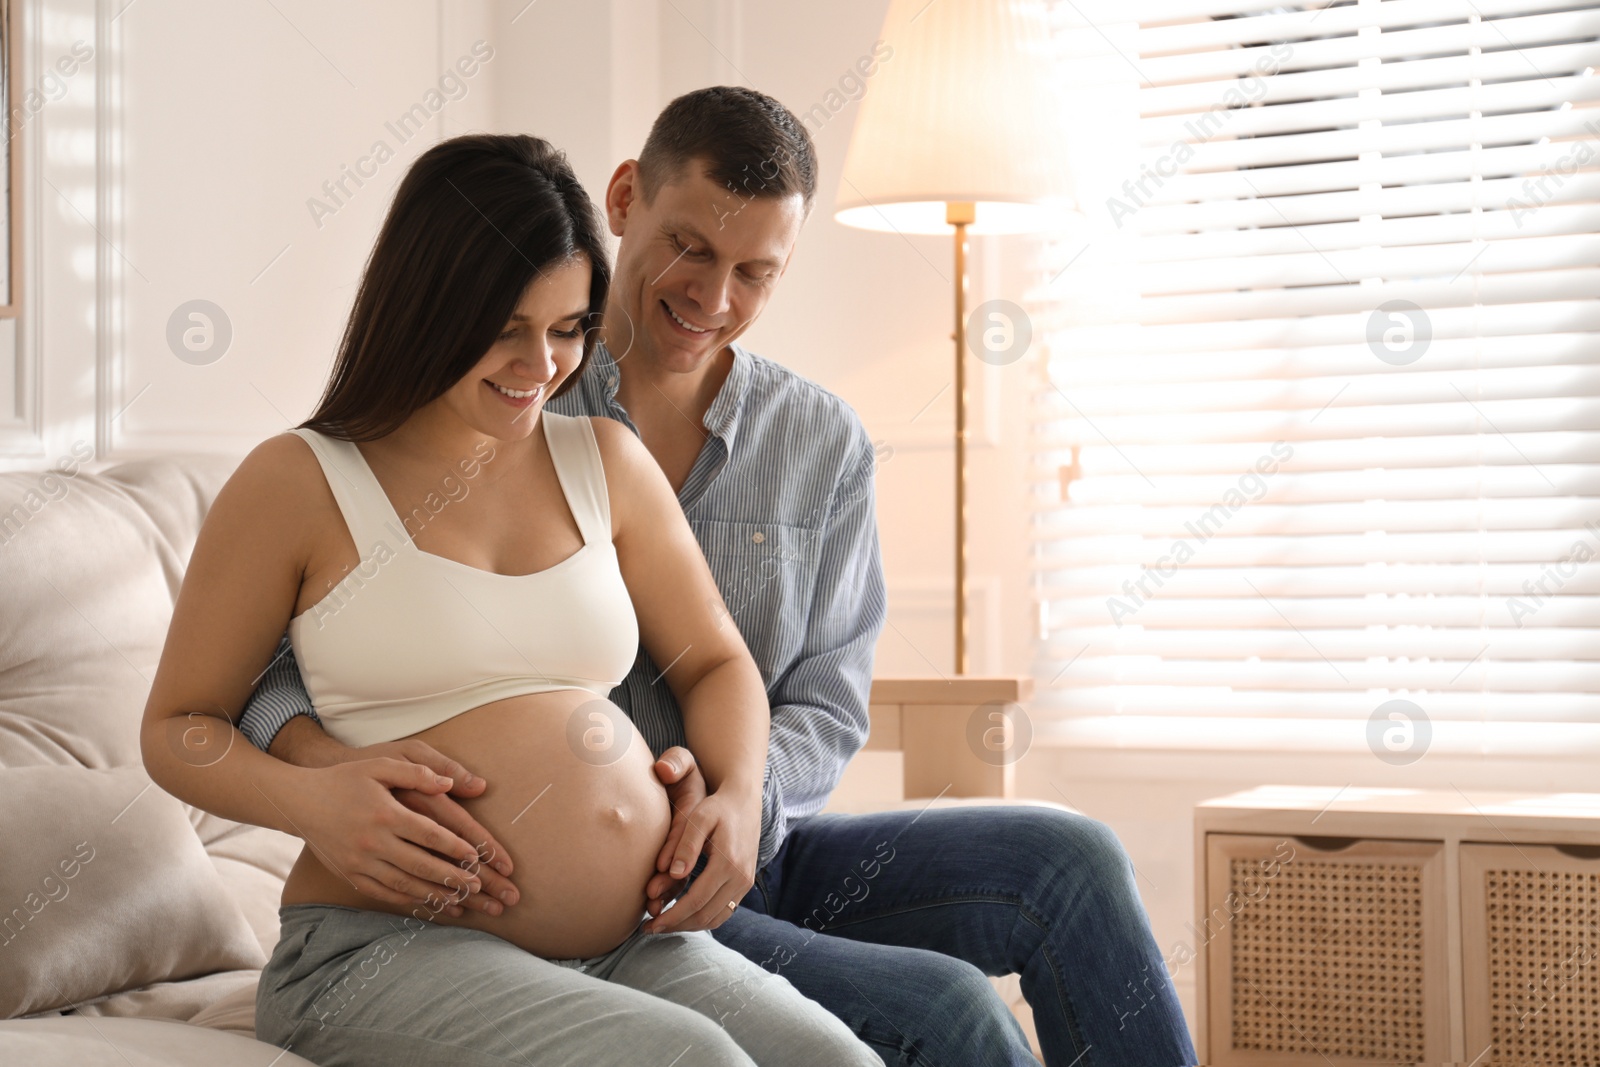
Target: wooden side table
[[952, 737], [1362, 925], [960, 735]]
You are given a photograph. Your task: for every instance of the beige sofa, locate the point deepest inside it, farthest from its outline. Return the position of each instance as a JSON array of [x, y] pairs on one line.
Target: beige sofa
[[133, 927]]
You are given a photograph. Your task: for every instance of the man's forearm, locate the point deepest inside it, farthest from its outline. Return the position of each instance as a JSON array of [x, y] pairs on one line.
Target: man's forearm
[[280, 697], [808, 750], [303, 742]]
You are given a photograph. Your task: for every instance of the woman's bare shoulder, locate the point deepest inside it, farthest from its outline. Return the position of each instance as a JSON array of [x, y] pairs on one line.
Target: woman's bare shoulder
[[283, 461], [621, 451], [635, 483], [609, 431], [276, 484], [265, 525]]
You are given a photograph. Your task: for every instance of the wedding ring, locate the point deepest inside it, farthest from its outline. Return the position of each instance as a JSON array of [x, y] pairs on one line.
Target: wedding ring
[[733, 905]]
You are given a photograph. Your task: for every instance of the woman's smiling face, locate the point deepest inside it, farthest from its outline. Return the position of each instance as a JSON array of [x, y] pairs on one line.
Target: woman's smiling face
[[542, 344]]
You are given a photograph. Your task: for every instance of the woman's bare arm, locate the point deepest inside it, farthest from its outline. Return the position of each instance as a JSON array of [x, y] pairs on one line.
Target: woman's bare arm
[[238, 593], [708, 668]]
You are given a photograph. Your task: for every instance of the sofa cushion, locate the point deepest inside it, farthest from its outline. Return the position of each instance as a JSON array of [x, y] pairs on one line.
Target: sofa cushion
[[193, 1000], [108, 889], [236, 1011], [75, 1041], [253, 862], [90, 566]]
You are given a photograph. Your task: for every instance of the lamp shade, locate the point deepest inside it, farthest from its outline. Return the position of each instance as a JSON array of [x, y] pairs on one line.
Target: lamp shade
[[960, 111]]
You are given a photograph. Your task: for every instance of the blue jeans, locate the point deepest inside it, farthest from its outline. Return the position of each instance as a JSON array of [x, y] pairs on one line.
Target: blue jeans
[[892, 920]]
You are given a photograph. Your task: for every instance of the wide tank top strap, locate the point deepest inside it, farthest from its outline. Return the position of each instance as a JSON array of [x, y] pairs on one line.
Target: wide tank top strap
[[366, 510], [576, 455]]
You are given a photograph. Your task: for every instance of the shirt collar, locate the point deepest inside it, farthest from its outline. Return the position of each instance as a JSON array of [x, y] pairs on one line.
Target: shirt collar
[[722, 420]]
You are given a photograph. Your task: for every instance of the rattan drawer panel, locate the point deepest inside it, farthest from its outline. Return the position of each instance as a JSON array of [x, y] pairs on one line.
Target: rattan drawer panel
[[1325, 951], [1530, 917]]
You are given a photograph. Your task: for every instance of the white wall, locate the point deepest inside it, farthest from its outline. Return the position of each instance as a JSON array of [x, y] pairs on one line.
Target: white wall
[[179, 165]]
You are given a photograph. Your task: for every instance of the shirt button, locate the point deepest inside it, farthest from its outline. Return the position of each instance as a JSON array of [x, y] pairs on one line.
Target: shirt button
[[758, 537], [611, 382]]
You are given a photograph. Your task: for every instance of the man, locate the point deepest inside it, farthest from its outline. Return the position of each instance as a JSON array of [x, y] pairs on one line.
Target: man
[[893, 920]]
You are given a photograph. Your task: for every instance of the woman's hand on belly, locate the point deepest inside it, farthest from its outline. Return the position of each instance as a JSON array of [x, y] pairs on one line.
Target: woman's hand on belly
[[494, 867], [380, 849]]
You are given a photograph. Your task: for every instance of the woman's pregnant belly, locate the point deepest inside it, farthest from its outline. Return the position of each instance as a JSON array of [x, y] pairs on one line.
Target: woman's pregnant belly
[[573, 798]]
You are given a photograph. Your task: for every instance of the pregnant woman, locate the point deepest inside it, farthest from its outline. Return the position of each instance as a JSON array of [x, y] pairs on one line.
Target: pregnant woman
[[457, 565]]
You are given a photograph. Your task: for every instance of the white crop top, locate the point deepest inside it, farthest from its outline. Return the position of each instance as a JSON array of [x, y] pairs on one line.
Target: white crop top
[[409, 639]]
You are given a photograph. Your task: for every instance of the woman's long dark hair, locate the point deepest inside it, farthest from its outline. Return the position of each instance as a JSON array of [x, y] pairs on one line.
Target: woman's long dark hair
[[473, 223]]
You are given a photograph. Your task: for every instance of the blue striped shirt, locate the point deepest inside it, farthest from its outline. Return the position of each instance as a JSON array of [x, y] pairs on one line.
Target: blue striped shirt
[[781, 500]]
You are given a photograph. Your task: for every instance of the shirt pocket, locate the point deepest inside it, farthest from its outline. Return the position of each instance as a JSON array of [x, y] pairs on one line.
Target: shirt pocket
[[765, 573]]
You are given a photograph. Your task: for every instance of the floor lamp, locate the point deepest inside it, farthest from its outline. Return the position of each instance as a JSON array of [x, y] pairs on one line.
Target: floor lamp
[[956, 133]]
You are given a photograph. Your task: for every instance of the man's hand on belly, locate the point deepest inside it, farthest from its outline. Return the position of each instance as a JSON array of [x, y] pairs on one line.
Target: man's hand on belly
[[686, 788], [726, 823]]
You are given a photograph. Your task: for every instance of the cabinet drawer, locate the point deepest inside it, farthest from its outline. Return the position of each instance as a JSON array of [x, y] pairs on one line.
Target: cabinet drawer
[[1530, 944], [1325, 951]]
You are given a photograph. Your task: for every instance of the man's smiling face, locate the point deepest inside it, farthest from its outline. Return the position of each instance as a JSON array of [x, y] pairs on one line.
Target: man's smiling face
[[695, 265]]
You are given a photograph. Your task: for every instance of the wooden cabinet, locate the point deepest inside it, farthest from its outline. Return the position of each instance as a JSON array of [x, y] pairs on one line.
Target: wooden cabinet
[[1362, 926]]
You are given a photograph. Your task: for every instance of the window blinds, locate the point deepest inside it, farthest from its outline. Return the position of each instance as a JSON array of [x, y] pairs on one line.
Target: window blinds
[[1318, 423]]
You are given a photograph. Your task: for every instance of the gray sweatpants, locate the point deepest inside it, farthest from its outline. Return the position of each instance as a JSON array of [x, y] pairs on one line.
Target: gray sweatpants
[[348, 987]]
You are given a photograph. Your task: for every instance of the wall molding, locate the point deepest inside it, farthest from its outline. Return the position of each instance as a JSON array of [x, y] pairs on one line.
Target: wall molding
[[22, 429], [930, 600], [110, 329]]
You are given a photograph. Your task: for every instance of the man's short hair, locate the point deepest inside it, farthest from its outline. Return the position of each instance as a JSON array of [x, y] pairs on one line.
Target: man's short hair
[[747, 141]]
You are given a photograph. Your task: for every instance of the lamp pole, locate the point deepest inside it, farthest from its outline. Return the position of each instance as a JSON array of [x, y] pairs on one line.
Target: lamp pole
[[961, 214]]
